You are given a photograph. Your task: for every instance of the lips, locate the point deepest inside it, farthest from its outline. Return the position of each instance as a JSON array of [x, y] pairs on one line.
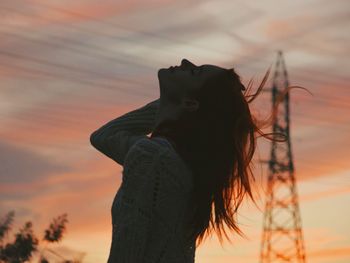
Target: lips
[[172, 68]]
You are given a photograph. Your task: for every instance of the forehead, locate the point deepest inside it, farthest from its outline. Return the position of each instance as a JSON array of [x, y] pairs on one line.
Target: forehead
[[209, 69]]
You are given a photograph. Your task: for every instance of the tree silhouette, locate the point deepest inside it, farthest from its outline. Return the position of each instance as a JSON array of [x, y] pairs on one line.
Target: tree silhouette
[[25, 243], [57, 227], [6, 224]]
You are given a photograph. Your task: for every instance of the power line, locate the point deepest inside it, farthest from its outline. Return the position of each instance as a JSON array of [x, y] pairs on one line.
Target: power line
[[108, 57], [301, 116], [80, 81], [315, 81], [110, 24], [67, 67], [82, 43], [119, 25]]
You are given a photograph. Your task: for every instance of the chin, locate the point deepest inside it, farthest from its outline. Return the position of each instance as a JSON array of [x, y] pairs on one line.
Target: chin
[[161, 71]]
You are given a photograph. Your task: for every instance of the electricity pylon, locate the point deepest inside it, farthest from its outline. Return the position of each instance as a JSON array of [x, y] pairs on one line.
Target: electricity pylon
[[282, 239]]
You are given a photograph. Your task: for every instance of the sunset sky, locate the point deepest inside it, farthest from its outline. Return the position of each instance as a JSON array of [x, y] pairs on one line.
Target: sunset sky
[[68, 67]]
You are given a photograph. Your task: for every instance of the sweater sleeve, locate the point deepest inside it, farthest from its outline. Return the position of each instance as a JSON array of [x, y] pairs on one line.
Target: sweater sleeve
[[115, 138]]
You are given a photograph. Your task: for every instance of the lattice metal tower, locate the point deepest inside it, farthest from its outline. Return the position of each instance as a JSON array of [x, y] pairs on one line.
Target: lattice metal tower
[[282, 239]]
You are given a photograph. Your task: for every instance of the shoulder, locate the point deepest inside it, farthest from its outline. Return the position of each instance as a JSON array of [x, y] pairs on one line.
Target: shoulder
[[145, 146], [149, 146], [171, 166], [149, 154], [144, 152]]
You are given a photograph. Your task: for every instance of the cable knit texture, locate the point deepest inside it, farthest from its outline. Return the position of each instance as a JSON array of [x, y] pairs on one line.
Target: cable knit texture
[[152, 207]]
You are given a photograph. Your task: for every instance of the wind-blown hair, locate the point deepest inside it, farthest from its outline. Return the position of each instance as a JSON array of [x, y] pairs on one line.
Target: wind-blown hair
[[218, 142]]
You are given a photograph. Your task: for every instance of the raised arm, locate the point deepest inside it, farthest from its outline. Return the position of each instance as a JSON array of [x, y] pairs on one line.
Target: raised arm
[[115, 138]]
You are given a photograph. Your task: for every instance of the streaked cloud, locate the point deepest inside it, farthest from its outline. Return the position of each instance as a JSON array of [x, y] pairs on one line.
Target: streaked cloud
[[20, 165]]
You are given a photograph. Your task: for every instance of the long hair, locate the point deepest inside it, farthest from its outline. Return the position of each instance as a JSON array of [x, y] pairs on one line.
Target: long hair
[[218, 142]]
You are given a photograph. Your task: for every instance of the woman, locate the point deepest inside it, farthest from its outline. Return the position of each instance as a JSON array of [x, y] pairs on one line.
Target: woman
[[190, 176]]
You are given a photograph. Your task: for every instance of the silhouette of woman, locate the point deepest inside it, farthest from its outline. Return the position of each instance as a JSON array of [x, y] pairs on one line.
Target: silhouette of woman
[[195, 165]]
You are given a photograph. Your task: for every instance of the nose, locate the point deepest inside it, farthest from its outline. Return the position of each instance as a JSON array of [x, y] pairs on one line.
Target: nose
[[185, 62]]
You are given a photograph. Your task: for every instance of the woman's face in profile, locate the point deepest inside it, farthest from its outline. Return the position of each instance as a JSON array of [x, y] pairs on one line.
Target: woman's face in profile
[[177, 82]]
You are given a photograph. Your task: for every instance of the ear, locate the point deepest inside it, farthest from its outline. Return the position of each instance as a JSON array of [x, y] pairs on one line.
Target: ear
[[190, 104]]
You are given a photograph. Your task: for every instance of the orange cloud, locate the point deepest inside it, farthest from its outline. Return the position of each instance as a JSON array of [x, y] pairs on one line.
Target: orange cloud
[[324, 194], [334, 253], [56, 123]]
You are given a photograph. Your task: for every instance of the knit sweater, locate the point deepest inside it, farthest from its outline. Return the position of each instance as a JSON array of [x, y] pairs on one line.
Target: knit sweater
[[152, 207]]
